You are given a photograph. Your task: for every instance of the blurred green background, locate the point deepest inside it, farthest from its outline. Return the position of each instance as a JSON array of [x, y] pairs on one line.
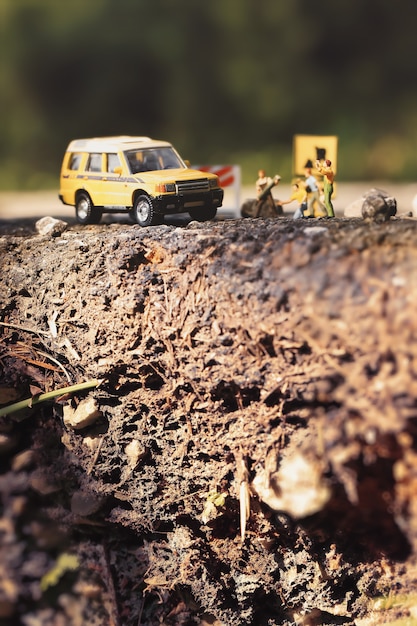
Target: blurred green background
[[226, 81]]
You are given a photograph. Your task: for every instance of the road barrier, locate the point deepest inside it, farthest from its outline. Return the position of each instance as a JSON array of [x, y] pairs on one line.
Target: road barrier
[[230, 180]]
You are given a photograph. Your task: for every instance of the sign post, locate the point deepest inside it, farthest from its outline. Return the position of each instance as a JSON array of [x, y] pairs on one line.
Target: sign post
[[307, 149]]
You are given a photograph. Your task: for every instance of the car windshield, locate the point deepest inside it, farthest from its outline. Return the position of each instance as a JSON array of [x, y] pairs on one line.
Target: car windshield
[[153, 159]]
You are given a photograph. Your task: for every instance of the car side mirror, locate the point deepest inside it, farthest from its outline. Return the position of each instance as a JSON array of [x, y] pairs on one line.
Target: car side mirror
[[117, 170], [187, 162]]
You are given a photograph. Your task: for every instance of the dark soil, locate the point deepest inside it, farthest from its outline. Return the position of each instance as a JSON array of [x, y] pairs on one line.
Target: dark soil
[[268, 362]]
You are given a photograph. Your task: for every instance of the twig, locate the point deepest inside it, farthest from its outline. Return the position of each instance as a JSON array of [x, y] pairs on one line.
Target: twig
[[242, 475], [142, 604], [44, 397], [111, 587], [71, 350], [95, 457], [51, 358], [27, 330], [44, 354]]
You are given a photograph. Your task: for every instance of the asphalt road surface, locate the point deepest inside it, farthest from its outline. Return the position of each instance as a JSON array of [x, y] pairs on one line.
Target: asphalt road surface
[[32, 204]]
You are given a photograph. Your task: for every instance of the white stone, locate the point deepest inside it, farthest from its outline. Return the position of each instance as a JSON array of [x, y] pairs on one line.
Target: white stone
[[86, 413], [50, 226]]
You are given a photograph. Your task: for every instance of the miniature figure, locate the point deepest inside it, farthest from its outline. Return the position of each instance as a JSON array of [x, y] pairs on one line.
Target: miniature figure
[[265, 203], [328, 173], [262, 182], [299, 195], [313, 194]]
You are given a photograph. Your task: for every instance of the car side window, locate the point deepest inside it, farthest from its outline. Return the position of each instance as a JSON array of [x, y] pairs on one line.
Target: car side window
[[74, 161], [94, 162], [113, 161]]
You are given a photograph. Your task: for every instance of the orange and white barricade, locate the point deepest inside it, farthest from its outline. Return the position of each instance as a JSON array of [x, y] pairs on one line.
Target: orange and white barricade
[[230, 180]]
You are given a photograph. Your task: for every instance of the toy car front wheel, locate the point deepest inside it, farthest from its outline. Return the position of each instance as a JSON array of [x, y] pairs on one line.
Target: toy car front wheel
[[85, 210], [144, 212]]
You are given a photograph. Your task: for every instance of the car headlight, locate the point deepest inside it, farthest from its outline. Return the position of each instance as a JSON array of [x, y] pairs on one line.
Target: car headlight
[[165, 188], [214, 183]]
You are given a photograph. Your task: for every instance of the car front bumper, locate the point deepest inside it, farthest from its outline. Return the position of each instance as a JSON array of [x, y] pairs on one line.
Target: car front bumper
[[181, 203]]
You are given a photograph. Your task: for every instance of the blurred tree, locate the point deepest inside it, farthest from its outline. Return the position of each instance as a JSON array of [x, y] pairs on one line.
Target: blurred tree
[[222, 80]]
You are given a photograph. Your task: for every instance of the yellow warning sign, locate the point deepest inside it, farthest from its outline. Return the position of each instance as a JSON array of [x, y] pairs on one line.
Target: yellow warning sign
[[307, 149]]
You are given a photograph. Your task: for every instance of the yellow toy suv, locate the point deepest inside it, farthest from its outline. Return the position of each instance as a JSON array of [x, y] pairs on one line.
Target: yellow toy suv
[[139, 175]]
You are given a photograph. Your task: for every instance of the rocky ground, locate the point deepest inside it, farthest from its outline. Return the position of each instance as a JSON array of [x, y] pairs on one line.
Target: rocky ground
[[246, 452]]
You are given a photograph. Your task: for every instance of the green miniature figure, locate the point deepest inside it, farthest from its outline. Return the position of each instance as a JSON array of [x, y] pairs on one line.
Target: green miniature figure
[[326, 170]]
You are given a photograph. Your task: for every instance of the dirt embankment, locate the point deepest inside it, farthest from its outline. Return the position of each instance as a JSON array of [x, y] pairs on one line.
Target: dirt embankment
[[251, 453]]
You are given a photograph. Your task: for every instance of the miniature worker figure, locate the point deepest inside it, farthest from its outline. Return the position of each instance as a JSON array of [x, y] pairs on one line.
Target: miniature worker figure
[[299, 194], [326, 170], [265, 203], [313, 194], [261, 182]]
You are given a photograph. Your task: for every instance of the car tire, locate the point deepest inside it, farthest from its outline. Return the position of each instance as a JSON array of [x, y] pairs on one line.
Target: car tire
[[85, 211], [203, 215], [144, 212]]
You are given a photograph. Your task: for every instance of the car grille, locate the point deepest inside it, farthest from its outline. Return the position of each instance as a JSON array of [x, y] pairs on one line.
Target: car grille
[[190, 186]]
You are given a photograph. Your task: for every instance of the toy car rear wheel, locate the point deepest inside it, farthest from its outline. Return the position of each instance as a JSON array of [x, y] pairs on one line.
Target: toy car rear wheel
[[204, 214], [85, 211], [144, 212]]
